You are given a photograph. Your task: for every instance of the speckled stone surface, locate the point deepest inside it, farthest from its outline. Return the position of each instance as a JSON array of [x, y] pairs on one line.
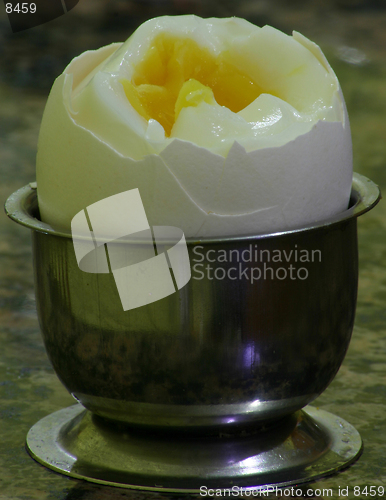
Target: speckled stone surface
[[353, 36]]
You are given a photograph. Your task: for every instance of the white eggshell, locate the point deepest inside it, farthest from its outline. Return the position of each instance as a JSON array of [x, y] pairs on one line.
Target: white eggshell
[[92, 146]]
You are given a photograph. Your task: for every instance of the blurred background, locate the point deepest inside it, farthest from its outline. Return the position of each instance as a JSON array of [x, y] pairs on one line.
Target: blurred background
[[352, 33]]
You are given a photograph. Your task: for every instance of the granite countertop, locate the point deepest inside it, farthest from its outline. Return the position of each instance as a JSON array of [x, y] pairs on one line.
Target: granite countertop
[[354, 39]]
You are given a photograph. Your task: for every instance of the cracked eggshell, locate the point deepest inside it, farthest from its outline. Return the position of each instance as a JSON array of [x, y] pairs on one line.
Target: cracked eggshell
[[75, 169], [184, 185]]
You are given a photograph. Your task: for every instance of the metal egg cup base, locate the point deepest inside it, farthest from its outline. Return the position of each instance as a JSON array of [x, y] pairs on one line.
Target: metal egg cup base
[[217, 343], [303, 447]]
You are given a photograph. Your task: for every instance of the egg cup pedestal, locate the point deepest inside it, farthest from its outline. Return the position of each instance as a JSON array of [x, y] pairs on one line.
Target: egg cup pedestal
[[208, 387]]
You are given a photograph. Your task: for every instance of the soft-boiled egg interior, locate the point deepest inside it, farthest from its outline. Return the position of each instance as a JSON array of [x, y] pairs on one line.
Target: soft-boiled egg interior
[[177, 73], [209, 82]]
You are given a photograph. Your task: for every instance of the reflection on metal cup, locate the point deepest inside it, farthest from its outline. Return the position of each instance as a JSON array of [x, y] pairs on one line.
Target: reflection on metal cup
[[258, 332]]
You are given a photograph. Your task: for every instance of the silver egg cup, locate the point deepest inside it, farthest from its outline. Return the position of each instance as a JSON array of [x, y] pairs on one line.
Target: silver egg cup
[[208, 387]]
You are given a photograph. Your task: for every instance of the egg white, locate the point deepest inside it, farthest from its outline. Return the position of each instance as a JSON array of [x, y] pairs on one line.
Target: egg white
[[273, 60], [279, 163]]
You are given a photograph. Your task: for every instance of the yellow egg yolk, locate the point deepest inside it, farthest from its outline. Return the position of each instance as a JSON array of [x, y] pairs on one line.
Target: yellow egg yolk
[[176, 73]]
